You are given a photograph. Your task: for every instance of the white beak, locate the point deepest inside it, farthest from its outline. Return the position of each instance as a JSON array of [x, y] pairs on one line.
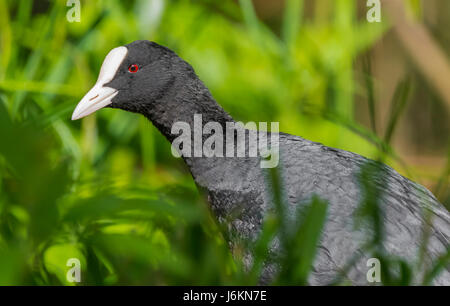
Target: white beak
[[100, 96]]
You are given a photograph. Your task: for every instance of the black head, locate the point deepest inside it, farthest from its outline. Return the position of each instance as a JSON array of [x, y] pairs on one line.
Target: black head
[[145, 76], [133, 77], [150, 79]]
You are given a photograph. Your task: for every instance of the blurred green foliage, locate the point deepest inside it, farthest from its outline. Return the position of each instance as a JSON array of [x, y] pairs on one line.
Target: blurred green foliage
[[107, 190]]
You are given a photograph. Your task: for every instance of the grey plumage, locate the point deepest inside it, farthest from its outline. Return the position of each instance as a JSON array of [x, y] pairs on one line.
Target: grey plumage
[[310, 168], [166, 90]]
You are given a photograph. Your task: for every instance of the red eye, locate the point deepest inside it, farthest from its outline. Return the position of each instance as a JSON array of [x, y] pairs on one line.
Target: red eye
[[133, 68]]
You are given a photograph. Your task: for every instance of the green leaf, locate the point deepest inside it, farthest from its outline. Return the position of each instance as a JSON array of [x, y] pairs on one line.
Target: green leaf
[[291, 22], [303, 245]]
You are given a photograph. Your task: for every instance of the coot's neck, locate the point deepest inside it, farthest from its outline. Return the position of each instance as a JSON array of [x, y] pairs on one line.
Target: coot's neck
[[181, 102], [215, 175]]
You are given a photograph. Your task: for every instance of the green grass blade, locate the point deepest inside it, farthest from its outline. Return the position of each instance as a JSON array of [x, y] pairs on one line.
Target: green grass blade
[[441, 264], [291, 21], [370, 91], [398, 104], [304, 243]]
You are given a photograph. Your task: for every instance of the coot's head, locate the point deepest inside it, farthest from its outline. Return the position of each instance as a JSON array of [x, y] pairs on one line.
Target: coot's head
[[135, 78]]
